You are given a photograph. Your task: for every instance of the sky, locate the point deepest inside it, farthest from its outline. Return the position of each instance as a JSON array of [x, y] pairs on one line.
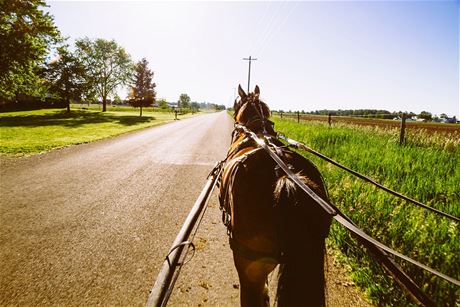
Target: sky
[[311, 55]]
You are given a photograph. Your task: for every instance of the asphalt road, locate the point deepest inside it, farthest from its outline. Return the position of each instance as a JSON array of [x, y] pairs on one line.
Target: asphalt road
[[91, 224]]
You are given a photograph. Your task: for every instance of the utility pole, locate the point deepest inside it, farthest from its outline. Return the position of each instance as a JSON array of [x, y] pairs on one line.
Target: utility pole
[[250, 59]]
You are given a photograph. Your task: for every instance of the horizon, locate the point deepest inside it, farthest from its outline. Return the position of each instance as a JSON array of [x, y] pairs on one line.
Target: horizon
[[394, 56]]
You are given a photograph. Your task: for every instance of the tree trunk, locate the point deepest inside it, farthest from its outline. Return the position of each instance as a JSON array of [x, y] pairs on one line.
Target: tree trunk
[[104, 103], [68, 105], [141, 112]]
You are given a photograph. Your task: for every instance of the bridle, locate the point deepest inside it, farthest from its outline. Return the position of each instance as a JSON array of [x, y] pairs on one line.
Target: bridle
[[252, 123]]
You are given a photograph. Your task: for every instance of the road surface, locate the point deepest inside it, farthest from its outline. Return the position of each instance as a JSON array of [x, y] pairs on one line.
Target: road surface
[[91, 224]]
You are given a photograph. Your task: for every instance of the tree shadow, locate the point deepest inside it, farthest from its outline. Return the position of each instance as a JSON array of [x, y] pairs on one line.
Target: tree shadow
[[73, 119]]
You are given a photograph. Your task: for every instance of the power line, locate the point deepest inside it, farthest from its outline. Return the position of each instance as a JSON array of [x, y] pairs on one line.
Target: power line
[[278, 25], [272, 21], [259, 32]]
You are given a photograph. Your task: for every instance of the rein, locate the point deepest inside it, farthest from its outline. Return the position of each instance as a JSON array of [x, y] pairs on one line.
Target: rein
[[260, 112], [261, 143]]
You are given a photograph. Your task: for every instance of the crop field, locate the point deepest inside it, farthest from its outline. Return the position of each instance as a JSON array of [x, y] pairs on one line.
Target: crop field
[[425, 168], [381, 123]]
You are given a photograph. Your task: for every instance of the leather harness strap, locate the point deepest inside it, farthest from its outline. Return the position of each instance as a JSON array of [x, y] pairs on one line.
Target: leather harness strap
[[227, 206], [226, 202], [251, 254]]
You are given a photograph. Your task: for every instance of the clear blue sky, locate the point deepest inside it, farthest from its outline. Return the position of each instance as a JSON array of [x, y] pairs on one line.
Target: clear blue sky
[[389, 55]]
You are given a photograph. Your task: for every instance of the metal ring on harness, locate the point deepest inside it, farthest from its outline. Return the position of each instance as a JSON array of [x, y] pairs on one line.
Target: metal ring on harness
[[176, 247]]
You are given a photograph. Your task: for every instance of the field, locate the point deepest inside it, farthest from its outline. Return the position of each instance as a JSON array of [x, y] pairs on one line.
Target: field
[[426, 168], [428, 127], [31, 132]]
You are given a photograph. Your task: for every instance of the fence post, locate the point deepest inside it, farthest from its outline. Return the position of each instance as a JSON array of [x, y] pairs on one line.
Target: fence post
[[329, 119], [298, 116], [403, 129]]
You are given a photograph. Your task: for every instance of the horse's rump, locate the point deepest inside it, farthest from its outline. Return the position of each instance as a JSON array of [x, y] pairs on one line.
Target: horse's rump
[[303, 227]]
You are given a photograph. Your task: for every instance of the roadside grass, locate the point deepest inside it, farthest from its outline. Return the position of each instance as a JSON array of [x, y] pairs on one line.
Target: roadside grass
[[32, 132], [427, 168]]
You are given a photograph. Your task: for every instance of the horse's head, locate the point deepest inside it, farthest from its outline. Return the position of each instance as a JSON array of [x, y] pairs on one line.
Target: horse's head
[[251, 112]]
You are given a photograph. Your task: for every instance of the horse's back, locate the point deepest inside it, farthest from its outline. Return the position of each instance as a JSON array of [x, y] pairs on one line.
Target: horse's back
[[258, 204], [252, 201]]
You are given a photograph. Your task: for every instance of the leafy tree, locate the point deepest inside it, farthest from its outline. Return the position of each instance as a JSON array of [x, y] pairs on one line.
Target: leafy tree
[[107, 66], [26, 35], [425, 115], [195, 106], [65, 76], [117, 99], [143, 90], [184, 101], [163, 104]]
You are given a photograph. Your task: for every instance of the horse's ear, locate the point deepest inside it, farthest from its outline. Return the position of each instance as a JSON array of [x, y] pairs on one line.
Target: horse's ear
[[236, 106], [241, 92], [257, 90]]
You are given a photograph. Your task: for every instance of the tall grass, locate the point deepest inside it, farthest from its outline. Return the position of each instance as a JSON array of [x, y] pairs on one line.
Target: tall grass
[[426, 168]]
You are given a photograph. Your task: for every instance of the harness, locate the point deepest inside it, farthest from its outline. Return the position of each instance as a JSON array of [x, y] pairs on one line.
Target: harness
[[246, 252], [233, 164], [226, 206]]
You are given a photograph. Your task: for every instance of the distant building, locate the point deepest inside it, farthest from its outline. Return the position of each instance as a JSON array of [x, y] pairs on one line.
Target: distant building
[[172, 104], [449, 120]]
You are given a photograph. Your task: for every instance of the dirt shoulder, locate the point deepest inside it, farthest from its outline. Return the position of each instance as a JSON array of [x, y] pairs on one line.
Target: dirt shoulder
[[210, 278]]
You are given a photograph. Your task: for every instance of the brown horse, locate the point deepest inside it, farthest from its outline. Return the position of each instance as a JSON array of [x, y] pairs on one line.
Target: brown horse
[[270, 220]]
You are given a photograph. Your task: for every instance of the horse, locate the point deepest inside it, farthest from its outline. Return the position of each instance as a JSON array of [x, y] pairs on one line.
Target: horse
[[270, 220]]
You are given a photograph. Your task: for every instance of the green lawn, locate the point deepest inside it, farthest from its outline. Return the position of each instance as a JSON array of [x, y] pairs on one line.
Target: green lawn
[[32, 132]]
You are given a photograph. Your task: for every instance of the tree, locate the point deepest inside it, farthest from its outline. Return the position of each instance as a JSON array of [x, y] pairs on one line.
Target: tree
[[163, 104], [26, 35], [65, 76], [184, 101], [107, 66], [143, 90], [425, 115], [195, 106], [117, 99]]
